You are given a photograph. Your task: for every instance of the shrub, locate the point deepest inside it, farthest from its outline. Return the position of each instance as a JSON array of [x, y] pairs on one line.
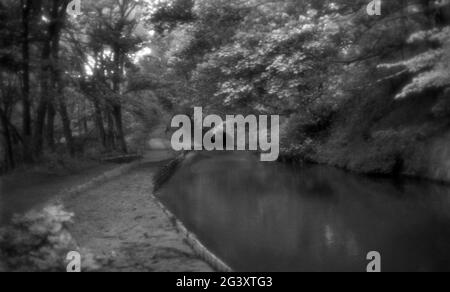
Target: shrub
[[38, 241]]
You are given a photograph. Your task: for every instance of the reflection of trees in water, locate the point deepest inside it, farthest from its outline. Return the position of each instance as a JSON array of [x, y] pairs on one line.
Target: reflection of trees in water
[[272, 216]]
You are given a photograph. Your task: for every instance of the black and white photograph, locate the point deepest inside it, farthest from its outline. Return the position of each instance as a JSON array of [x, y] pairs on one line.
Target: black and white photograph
[[223, 142]]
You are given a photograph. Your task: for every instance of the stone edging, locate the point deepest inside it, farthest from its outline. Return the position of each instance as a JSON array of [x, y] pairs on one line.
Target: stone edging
[[106, 176], [192, 240]]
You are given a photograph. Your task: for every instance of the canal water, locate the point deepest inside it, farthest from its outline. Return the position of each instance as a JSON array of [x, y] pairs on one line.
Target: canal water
[[274, 217]]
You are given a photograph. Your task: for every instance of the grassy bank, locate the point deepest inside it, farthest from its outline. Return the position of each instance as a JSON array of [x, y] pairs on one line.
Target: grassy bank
[[377, 135]]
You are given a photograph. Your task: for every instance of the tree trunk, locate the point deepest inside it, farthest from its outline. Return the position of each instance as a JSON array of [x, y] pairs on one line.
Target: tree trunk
[[66, 125], [85, 127], [9, 154], [99, 123], [117, 112], [50, 130], [61, 103], [110, 134], [117, 107], [26, 118], [40, 116], [83, 120], [57, 82], [45, 82]]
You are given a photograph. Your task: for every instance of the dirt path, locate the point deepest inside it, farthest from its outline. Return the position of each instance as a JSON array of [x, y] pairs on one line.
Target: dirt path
[[24, 191], [120, 221]]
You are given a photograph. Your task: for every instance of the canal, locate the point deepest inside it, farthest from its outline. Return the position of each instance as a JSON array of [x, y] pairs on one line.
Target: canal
[[275, 217]]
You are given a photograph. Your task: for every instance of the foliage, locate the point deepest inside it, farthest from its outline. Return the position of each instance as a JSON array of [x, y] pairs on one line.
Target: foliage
[[68, 83], [169, 14], [38, 241], [282, 56], [431, 69], [316, 63], [122, 67]]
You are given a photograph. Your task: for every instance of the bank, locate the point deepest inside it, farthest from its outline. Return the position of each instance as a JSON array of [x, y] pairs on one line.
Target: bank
[[374, 135], [113, 221], [124, 226]]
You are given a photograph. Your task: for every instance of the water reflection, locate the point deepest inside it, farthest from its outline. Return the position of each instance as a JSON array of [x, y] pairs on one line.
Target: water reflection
[[275, 217]]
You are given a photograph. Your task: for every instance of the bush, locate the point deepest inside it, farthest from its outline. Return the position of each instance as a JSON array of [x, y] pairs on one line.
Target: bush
[[39, 241]]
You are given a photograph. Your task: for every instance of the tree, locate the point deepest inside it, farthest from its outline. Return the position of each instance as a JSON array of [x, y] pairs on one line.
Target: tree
[[431, 68], [307, 60], [26, 103], [50, 79], [113, 37], [9, 65]]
